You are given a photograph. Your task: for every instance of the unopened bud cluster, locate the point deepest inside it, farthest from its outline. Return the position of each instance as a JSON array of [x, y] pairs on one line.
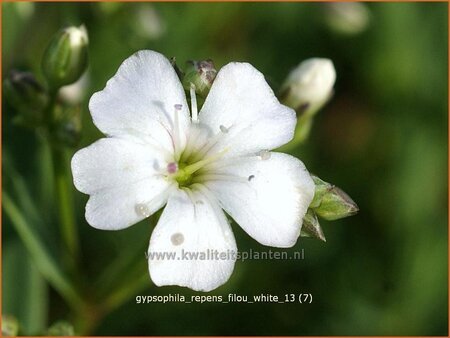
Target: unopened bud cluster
[[63, 63], [201, 75], [329, 203]]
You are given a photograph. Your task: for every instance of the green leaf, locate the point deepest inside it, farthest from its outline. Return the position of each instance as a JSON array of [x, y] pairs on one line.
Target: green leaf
[[25, 292], [46, 264]]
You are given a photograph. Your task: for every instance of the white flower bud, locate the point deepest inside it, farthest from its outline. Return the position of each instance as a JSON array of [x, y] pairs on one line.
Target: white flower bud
[[347, 18], [65, 58], [309, 86]]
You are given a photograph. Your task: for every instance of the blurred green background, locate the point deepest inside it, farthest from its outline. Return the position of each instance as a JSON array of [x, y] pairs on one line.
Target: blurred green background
[[382, 138]]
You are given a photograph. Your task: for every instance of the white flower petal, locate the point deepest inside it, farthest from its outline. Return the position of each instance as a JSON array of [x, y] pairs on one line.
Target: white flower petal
[[267, 198], [242, 104], [192, 223], [123, 180], [139, 102]]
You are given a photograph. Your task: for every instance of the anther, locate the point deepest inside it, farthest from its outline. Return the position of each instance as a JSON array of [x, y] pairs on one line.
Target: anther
[[172, 168]]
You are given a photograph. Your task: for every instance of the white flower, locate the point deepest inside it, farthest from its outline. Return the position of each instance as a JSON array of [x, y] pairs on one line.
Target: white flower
[[156, 154], [310, 84]]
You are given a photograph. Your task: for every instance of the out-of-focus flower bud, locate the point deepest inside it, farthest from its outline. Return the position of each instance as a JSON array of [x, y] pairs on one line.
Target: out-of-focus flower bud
[[66, 57], [201, 74], [24, 93], [311, 226], [75, 92], [10, 326], [61, 328], [347, 18], [65, 130], [330, 202], [148, 23], [309, 86]]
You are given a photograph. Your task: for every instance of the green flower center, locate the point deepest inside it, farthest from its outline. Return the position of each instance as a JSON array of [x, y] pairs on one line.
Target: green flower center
[[189, 171]]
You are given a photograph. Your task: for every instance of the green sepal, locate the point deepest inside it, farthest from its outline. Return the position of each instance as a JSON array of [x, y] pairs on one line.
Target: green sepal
[[311, 226], [331, 202], [66, 57]]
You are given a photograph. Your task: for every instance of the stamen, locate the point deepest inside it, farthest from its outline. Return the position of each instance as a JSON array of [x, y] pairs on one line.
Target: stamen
[[195, 133], [172, 168], [176, 131], [211, 143], [192, 168], [219, 177], [194, 104], [227, 162]]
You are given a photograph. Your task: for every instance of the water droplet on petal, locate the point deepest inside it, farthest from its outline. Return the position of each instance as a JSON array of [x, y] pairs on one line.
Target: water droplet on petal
[[178, 106], [251, 177], [223, 129], [177, 238], [142, 210], [200, 202], [264, 154]]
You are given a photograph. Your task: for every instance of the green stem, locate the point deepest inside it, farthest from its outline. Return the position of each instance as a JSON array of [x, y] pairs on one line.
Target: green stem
[[64, 198], [44, 261], [63, 186]]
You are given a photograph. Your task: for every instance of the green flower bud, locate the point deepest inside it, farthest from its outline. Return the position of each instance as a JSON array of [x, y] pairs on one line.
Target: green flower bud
[[330, 202], [309, 86], [311, 226], [201, 74], [24, 93], [173, 62], [65, 58], [65, 130], [10, 326], [61, 329]]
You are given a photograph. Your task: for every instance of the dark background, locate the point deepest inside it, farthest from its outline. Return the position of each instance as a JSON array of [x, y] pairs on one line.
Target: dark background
[[382, 138]]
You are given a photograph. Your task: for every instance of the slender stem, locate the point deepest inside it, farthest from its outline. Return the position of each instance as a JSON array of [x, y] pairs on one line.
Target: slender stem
[[65, 201], [302, 131], [63, 186]]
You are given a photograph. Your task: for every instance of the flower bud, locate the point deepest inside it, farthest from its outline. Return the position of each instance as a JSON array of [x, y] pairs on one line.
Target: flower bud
[[309, 86], [24, 93], [65, 58], [61, 329], [311, 226], [201, 74], [10, 326], [75, 93], [65, 129], [346, 18], [330, 202]]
